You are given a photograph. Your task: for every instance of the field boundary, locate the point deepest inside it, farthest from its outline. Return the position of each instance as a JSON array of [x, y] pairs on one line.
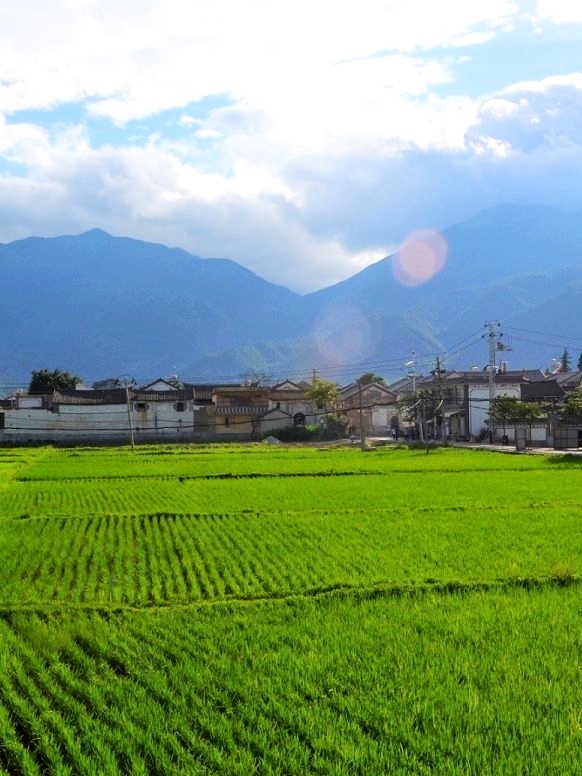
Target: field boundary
[[339, 590]]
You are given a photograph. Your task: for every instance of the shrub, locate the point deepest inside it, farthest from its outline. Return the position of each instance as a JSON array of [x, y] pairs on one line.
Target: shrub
[[295, 433], [334, 426]]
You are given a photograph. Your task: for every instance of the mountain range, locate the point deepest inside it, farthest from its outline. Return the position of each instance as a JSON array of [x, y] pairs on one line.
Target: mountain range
[[101, 306]]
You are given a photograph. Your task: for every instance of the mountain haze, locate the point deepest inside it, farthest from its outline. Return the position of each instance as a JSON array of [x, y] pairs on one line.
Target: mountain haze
[[101, 306]]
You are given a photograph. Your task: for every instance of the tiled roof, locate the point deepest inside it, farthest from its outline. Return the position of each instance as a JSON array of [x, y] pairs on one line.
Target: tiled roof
[[298, 388], [404, 384], [569, 380], [105, 396], [287, 395], [239, 390], [546, 389], [117, 396], [354, 389], [277, 412]]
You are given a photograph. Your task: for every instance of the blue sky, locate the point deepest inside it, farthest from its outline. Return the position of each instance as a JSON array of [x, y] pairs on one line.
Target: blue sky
[[302, 140]]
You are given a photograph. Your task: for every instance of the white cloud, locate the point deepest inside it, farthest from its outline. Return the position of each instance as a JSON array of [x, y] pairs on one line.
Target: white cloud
[[149, 193], [331, 145], [531, 115], [136, 58], [559, 11]]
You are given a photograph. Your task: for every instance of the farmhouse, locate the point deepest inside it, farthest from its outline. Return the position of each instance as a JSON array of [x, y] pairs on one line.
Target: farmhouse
[[463, 397], [155, 412], [370, 407], [162, 410], [168, 410], [463, 404]]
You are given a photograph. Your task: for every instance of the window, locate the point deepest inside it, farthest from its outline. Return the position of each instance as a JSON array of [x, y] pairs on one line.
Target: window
[[2, 420], [227, 421], [141, 406], [181, 406], [299, 419]]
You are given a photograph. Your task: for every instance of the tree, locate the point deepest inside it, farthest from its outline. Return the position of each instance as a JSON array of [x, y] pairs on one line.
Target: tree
[[334, 426], [505, 410], [43, 381], [509, 411], [258, 379], [531, 412], [420, 407], [323, 393], [580, 362], [565, 361], [370, 377], [571, 412]]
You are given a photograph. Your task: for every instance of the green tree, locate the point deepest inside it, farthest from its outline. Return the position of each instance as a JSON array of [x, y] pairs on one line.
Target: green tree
[[531, 412], [509, 411], [505, 411], [334, 426], [370, 377], [580, 362], [571, 412], [323, 393], [565, 361], [43, 381]]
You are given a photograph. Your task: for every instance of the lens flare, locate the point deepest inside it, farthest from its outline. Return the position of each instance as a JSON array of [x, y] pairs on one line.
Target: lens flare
[[342, 336], [421, 256]]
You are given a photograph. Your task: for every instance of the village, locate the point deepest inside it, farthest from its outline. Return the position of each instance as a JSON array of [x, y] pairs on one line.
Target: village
[[448, 406]]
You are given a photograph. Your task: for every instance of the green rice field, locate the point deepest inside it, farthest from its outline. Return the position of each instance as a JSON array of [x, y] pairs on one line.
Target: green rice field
[[289, 610]]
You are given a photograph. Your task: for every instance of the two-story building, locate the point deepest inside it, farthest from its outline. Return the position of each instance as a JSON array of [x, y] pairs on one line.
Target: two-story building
[[370, 408], [463, 398], [288, 405]]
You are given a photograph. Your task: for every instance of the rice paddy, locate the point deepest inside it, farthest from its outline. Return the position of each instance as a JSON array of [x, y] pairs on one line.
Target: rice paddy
[[248, 609]]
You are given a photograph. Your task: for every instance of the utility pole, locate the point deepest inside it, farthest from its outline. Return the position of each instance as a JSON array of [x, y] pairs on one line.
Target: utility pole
[[438, 373], [492, 342], [126, 381], [412, 370], [412, 373], [362, 433]]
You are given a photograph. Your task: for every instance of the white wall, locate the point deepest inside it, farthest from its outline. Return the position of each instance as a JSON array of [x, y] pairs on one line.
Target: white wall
[[479, 403], [99, 423]]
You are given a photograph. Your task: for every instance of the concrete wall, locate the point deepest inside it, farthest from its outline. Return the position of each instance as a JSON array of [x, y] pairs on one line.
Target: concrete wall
[[101, 422], [479, 403], [538, 435], [566, 437]]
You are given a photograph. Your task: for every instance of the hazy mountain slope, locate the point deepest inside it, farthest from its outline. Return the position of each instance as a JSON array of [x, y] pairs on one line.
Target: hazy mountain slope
[[560, 316], [501, 265], [100, 306], [494, 246]]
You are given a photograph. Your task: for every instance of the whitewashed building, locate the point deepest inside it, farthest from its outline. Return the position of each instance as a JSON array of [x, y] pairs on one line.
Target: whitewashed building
[[155, 412]]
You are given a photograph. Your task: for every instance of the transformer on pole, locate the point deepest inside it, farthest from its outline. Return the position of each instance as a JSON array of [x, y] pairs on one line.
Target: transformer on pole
[[495, 343]]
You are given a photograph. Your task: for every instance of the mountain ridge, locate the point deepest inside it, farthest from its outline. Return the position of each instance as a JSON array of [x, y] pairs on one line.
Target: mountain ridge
[[100, 305]]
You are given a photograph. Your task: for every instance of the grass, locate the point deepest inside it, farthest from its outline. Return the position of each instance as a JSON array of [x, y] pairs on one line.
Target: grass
[[240, 610]]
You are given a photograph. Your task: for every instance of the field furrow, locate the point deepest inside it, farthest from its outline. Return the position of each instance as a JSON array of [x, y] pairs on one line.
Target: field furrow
[[244, 609]]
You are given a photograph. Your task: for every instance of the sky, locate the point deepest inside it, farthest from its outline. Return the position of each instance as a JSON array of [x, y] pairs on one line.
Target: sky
[[303, 140]]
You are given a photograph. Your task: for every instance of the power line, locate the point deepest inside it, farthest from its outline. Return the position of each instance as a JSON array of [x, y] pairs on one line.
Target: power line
[[560, 337], [388, 364]]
